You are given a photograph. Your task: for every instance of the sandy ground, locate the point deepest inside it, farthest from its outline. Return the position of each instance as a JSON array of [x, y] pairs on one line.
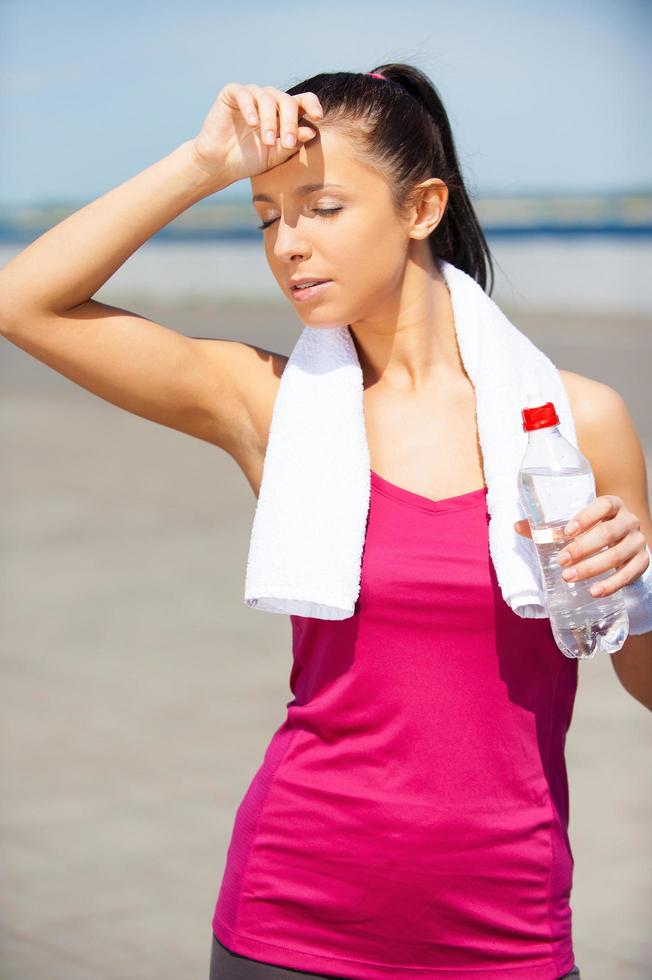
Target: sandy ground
[[139, 694]]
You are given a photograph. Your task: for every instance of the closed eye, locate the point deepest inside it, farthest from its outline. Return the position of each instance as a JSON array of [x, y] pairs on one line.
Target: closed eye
[[325, 212]]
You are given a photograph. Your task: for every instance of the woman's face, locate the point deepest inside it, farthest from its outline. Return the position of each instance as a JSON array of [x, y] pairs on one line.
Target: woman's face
[[346, 231]]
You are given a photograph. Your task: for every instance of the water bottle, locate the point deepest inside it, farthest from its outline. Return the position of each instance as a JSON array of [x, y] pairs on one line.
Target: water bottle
[[555, 481]]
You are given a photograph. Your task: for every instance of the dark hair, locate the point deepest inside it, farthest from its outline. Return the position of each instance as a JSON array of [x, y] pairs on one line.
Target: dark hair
[[401, 122]]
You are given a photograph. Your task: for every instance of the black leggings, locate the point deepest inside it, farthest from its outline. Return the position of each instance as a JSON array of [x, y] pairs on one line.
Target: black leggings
[[226, 965]]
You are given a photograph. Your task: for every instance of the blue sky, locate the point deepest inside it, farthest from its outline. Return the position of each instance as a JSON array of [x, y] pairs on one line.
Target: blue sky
[[542, 96]]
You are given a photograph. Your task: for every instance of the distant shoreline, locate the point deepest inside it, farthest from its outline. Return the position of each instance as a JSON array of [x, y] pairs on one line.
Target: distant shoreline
[[10, 235], [621, 214]]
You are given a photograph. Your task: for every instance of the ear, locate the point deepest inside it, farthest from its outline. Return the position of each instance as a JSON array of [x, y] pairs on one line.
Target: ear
[[523, 528], [429, 200]]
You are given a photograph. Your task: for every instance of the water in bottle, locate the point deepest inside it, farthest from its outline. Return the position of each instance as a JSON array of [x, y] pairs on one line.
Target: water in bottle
[[555, 482]]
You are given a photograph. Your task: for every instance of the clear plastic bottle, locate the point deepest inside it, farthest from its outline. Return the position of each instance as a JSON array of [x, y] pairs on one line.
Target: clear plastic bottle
[[555, 481]]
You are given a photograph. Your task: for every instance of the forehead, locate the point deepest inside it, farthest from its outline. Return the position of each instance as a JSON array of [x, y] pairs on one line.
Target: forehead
[[328, 161]]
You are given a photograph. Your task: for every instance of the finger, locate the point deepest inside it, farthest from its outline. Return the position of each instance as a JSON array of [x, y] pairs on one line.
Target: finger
[[603, 535], [606, 505], [247, 104], [606, 560], [310, 104], [306, 133], [626, 574], [523, 527], [288, 120], [267, 112]]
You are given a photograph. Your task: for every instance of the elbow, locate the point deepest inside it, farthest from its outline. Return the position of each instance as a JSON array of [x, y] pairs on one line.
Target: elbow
[[12, 311], [18, 308]]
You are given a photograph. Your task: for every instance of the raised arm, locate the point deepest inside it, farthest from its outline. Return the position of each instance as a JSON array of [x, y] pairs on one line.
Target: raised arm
[[203, 387], [140, 366]]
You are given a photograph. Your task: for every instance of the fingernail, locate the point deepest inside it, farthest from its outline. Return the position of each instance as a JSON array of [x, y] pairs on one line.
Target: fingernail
[[252, 118], [288, 139], [571, 527], [270, 136], [596, 590]]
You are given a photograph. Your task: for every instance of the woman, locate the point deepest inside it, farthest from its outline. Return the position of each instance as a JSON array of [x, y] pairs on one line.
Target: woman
[[410, 817]]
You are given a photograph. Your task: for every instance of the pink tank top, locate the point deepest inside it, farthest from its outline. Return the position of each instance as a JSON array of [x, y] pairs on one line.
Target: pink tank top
[[410, 816]]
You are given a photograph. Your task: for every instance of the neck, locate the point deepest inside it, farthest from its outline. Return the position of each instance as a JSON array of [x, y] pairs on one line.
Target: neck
[[414, 344]]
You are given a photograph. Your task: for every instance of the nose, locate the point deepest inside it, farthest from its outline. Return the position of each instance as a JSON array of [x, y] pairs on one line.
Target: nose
[[289, 242]]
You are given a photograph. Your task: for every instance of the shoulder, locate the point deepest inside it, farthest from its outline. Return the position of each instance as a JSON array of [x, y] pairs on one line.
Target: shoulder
[[590, 400], [586, 394], [607, 436], [600, 415], [598, 410]]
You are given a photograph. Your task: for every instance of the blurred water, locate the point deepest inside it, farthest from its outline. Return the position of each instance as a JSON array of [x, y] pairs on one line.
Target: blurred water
[[539, 273]]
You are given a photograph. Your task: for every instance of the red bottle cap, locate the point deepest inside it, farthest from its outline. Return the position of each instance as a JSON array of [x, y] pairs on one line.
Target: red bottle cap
[[539, 417]]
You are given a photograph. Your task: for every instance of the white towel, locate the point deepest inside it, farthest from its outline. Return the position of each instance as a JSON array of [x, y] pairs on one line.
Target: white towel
[[308, 532]]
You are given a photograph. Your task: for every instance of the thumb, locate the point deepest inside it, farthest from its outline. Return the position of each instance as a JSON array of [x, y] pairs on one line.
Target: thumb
[[523, 528]]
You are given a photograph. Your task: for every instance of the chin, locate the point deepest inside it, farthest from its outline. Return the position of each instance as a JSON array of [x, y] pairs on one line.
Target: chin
[[320, 319]]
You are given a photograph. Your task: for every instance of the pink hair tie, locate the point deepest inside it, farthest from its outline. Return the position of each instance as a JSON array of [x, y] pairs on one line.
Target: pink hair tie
[[375, 74]]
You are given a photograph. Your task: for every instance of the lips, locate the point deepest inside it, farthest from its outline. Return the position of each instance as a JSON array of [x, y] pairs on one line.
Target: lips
[[302, 283], [309, 292]]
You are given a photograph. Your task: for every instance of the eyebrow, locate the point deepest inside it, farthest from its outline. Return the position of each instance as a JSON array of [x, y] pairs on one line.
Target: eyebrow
[[303, 189]]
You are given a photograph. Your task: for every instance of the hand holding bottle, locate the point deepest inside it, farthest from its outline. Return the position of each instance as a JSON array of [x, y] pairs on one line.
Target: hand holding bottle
[[245, 132], [556, 486], [611, 538]]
